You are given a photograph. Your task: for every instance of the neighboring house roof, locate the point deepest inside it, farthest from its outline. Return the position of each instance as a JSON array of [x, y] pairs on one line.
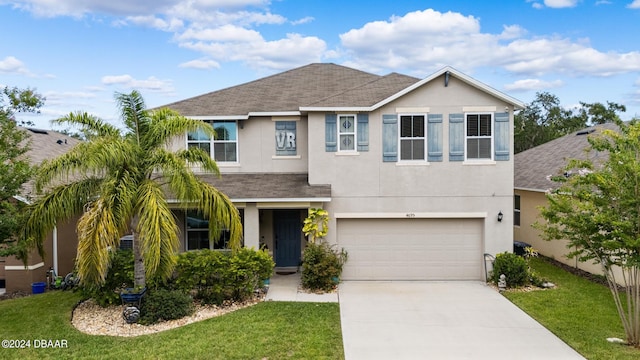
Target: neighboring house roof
[[268, 187], [315, 87], [532, 167], [44, 144]]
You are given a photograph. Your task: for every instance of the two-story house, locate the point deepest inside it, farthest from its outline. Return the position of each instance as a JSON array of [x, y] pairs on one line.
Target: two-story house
[[416, 174]]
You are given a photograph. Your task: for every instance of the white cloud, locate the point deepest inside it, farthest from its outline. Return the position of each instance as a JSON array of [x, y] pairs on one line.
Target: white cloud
[[560, 3], [127, 81], [635, 4], [304, 20], [11, 65], [533, 84], [428, 40], [200, 64]]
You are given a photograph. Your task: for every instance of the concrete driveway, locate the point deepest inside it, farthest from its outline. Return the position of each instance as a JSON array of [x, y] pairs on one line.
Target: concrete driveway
[[440, 320]]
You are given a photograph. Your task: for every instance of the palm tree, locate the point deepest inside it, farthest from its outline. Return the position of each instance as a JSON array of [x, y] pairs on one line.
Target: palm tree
[[119, 180]]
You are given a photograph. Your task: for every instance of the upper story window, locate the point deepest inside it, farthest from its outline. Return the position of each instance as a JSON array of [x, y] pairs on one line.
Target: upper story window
[[224, 147], [286, 138], [479, 138], [347, 132], [412, 137]]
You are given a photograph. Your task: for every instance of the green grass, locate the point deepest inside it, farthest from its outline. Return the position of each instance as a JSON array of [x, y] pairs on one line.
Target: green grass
[[269, 330], [578, 311]]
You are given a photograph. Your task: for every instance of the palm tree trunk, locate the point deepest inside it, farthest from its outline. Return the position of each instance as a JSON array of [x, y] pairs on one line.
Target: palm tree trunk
[[139, 278]]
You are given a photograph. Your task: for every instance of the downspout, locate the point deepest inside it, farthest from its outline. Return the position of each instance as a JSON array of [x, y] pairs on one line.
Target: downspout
[[55, 249]]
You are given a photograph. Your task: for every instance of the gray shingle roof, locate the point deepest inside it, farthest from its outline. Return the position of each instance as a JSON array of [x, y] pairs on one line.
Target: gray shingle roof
[[300, 87], [533, 166], [267, 186], [45, 144]]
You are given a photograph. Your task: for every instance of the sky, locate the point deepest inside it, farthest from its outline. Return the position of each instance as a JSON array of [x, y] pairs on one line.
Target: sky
[[79, 53]]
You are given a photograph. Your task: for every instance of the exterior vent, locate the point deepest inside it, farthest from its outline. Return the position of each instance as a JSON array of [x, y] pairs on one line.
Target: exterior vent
[[585, 132], [38, 131]]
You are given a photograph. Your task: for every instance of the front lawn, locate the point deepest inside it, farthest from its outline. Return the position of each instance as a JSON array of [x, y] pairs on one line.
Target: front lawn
[[269, 330], [580, 312]]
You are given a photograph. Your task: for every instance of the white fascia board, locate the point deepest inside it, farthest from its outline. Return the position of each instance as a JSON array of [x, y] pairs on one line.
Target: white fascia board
[[219, 117], [337, 109], [517, 104], [258, 200], [275, 113], [528, 189], [270, 200], [22, 199]]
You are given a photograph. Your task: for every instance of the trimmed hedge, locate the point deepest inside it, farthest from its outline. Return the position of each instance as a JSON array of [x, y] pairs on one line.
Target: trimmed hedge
[[216, 276], [514, 268], [321, 266]]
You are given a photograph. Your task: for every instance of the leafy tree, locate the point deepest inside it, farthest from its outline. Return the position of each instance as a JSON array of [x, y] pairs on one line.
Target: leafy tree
[[597, 113], [598, 211], [15, 168], [543, 120], [119, 181]]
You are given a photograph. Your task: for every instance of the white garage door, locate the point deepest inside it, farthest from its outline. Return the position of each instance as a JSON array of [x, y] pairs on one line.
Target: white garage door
[[411, 249]]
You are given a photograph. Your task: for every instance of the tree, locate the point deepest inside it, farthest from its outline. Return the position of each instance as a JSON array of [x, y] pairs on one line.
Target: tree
[[15, 168], [597, 210], [119, 181], [597, 113], [543, 120]]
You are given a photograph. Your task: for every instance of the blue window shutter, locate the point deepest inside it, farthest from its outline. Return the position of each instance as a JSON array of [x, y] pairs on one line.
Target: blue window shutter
[[501, 136], [363, 132], [456, 137], [389, 138], [434, 140], [330, 132]]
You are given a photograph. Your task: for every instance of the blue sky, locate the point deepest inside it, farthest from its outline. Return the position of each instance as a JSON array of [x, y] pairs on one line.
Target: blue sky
[[77, 53]]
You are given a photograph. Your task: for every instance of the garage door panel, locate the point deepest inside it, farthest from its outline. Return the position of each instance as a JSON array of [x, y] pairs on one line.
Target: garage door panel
[[411, 249]]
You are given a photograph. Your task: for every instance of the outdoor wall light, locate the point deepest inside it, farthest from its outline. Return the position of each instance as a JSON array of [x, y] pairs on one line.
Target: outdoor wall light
[[500, 216]]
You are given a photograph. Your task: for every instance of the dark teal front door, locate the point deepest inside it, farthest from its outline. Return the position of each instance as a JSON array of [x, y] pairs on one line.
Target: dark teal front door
[[287, 227]]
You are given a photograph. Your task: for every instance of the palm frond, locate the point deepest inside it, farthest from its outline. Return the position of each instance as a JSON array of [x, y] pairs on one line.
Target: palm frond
[[167, 124], [94, 158], [61, 203], [157, 230], [97, 233], [89, 125], [134, 113], [222, 214]]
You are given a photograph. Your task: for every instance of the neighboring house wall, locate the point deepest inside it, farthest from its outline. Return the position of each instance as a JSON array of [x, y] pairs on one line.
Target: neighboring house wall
[[44, 144], [532, 167]]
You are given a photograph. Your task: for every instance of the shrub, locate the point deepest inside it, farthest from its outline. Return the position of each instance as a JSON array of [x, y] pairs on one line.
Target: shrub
[[119, 276], [161, 304], [215, 276], [513, 267], [321, 266]]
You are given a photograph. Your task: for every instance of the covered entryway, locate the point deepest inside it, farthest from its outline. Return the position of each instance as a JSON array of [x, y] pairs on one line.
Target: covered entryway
[[287, 236], [412, 249]]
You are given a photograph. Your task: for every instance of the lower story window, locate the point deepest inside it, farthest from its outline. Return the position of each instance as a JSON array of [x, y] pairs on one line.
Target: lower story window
[[198, 233], [516, 210]]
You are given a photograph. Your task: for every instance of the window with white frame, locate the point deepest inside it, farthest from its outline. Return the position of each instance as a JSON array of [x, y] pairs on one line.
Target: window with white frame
[[412, 137], [224, 147], [286, 138], [479, 138], [198, 232], [516, 210], [347, 132]]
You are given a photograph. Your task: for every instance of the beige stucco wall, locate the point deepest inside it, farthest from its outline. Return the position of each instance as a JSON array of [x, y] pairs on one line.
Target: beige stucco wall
[[530, 202], [362, 183]]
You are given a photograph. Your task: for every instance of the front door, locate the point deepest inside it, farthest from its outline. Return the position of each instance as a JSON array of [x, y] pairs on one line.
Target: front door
[[287, 228]]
